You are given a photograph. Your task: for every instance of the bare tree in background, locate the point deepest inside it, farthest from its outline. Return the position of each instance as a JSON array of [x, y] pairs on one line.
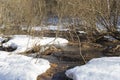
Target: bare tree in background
[[94, 13], [97, 14], [16, 13]]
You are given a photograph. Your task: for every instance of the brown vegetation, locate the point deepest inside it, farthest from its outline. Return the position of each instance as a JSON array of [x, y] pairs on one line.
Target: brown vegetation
[[83, 14]]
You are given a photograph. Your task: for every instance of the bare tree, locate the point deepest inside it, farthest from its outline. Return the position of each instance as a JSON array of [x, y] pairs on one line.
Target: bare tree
[[104, 13], [18, 12]]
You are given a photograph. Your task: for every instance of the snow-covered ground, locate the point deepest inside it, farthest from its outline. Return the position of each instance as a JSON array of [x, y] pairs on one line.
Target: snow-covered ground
[[24, 43], [50, 27], [106, 68], [19, 67]]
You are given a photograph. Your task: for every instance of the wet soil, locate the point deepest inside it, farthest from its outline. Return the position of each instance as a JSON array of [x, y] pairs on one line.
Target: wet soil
[[69, 58]]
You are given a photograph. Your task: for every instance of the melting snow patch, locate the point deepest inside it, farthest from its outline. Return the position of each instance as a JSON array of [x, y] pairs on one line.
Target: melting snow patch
[[24, 42], [107, 68], [50, 27], [19, 67]]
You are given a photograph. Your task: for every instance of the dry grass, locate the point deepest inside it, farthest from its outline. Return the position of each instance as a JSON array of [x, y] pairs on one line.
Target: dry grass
[[52, 49]]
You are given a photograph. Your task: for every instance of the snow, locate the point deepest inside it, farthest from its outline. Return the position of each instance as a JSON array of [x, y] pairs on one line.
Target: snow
[[60, 28], [25, 43], [38, 28], [106, 68], [82, 32], [50, 27], [100, 27], [2, 39], [19, 67], [110, 38]]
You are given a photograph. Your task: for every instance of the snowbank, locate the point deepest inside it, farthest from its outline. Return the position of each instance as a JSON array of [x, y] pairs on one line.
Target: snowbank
[[19, 67], [24, 42], [107, 68]]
